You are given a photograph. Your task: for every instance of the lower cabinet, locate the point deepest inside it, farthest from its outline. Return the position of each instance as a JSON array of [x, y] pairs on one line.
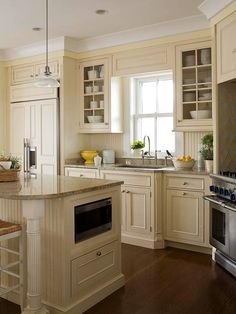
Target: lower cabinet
[[87, 271], [185, 216], [186, 213], [136, 210]]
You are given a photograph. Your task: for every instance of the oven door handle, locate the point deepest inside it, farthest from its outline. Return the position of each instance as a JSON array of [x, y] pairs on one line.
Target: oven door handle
[[211, 199]]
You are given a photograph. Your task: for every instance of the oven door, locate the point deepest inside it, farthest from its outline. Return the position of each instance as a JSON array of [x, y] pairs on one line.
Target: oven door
[[219, 227], [232, 234]]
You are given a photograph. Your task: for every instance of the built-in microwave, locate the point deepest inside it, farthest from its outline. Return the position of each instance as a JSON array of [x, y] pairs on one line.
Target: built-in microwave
[[92, 219]]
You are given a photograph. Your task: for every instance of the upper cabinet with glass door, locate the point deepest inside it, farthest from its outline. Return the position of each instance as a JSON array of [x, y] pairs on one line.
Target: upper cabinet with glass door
[[95, 97], [193, 87]]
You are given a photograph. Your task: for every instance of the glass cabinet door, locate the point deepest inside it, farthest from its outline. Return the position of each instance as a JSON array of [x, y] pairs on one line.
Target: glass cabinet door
[[93, 93], [194, 86]]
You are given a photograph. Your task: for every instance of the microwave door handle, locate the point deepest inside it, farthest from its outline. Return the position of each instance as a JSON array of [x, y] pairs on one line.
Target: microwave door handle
[[24, 158], [28, 158], [35, 157]]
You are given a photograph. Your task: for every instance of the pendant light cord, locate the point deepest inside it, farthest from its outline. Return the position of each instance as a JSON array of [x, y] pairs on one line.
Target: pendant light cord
[[47, 70]]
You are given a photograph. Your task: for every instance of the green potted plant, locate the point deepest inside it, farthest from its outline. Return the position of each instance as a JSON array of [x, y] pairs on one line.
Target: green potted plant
[[137, 146], [207, 151], [8, 161]]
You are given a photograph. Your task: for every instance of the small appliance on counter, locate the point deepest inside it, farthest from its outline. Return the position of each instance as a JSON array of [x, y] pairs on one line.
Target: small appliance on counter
[[108, 156]]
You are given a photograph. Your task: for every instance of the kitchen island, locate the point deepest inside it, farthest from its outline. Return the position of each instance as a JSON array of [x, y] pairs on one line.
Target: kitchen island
[[64, 275]]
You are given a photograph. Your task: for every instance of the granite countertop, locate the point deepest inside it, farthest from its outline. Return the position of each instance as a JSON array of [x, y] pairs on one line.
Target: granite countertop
[[49, 186], [145, 168]]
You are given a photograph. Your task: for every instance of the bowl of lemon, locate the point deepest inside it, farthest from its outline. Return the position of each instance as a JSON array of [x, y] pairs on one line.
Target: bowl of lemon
[[183, 163]]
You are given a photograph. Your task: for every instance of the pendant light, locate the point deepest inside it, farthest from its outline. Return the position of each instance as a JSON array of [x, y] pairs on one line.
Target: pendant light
[[47, 80]]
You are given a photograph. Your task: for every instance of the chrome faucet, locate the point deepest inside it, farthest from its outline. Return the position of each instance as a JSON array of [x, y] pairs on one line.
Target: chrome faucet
[[148, 138]]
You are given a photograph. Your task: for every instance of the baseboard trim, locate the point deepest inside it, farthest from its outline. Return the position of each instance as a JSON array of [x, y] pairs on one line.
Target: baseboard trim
[[189, 247], [147, 243], [88, 301]]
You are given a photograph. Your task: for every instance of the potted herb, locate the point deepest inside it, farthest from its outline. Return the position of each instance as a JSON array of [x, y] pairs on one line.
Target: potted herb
[[137, 146], [8, 161], [207, 151]]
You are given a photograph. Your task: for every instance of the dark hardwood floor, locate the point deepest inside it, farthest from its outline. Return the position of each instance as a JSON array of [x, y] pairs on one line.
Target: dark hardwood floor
[[169, 281]]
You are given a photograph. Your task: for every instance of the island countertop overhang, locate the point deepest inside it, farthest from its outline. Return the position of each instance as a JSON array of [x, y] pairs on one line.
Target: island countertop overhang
[[49, 186]]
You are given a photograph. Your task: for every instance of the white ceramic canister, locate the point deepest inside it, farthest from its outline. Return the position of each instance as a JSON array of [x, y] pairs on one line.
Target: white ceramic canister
[[88, 89], [205, 56], [97, 161], [95, 88], [101, 104], [92, 74], [93, 104], [108, 156]]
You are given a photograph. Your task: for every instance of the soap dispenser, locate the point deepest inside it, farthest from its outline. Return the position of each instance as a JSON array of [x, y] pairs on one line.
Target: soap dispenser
[[97, 161]]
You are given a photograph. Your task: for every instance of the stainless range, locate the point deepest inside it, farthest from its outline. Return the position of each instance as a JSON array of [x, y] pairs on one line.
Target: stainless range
[[223, 219]]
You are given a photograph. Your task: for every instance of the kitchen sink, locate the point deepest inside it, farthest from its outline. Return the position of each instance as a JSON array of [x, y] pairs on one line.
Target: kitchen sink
[[142, 166]]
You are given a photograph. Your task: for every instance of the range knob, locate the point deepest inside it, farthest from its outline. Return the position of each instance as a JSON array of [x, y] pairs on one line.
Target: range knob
[[216, 190], [221, 191], [232, 197], [212, 188], [226, 192]]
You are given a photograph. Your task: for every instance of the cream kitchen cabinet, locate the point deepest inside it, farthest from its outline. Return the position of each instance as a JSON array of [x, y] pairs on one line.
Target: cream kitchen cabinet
[[36, 120], [186, 212], [78, 172], [137, 212], [29, 72], [143, 60], [88, 270], [226, 48], [193, 110], [99, 97]]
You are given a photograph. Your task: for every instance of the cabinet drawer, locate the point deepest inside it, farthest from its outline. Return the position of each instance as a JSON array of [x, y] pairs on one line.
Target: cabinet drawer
[[85, 173], [129, 179], [185, 183], [91, 270], [22, 74]]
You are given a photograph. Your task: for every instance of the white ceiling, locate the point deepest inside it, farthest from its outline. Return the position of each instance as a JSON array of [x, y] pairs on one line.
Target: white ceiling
[[76, 18]]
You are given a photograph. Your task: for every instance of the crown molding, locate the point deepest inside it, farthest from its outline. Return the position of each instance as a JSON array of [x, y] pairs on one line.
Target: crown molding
[[211, 7], [32, 50], [154, 31], [149, 32]]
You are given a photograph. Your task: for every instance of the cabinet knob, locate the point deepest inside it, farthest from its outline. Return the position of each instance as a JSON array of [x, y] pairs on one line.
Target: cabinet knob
[[127, 191], [123, 191], [81, 175], [36, 75], [184, 193], [31, 75], [179, 120], [106, 123], [185, 183], [99, 253]]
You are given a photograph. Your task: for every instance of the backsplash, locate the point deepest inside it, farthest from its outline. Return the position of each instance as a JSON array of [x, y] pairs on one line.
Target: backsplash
[[115, 142], [227, 126], [192, 142]]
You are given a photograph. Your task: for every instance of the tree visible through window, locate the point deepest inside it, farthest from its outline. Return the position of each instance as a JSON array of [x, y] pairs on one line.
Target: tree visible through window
[[153, 111]]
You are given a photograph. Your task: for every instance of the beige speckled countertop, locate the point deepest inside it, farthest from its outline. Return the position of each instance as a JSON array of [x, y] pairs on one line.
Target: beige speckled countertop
[[146, 168], [49, 186]]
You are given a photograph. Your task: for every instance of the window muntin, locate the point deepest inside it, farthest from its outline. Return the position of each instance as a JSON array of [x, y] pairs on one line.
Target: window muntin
[[153, 111]]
